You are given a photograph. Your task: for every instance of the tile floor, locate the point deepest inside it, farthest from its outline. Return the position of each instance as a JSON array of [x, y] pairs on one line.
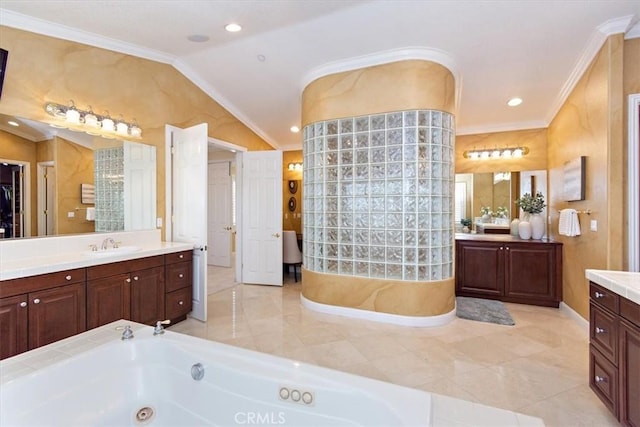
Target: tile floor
[[538, 367]]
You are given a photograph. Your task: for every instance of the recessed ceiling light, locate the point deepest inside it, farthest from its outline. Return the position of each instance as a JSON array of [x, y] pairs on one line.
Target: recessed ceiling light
[[233, 28], [198, 38], [295, 129], [262, 58], [514, 102], [12, 123]]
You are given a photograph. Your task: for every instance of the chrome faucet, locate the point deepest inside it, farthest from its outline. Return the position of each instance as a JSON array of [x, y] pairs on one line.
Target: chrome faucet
[[159, 330], [127, 334], [105, 243]]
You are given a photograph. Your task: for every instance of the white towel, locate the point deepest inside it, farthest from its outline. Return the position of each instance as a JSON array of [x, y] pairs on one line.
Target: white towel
[[569, 224], [91, 214]]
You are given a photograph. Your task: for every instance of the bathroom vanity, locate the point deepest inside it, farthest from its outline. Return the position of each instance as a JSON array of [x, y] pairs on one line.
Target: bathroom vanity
[[614, 348], [77, 292], [509, 269]]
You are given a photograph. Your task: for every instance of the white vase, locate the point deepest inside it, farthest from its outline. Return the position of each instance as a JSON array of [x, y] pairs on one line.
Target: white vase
[[537, 226], [514, 227], [524, 230]]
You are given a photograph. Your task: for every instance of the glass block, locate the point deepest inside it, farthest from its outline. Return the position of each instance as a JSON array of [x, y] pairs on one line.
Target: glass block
[[436, 153], [362, 156], [410, 255], [436, 119], [436, 272], [346, 142], [410, 118], [376, 253], [361, 237], [332, 187], [332, 219], [424, 118], [346, 220], [346, 125], [331, 235], [410, 272], [410, 153], [362, 140], [346, 235], [410, 238], [410, 170], [331, 204], [394, 137], [394, 271], [332, 250], [377, 220], [332, 127], [394, 170], [377, 270], [410, 221], [394, 120], [436, 256], [332, 266], [346, 173], [319, 250], [361, 220], [377, 139], [394, 203], [346, 267], [319, 129], [378, 155], [394, 154], [424, 204], [361, 204], [423, 153], [378, 237], [361, 252], [361, 188], [394, 237], [331, 173], [436, 204], [435, 239], [362, 268], [394, 221], [346, 251], [319, 145], [436, 186], [436, 170], [436, 222], [410, 186], [346, 157], [424, 273], [377, 204], [362, 172], [394, 186], [346, 188], [378, 171], [377, 187], [377, 122], [332, 158], [423, 239], [362, 124]]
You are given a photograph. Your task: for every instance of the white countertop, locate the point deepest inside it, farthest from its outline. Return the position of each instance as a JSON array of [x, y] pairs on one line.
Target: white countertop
[[60, 261], [623, 283]]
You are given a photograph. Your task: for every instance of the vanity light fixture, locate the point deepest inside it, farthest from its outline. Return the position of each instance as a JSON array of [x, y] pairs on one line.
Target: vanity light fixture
[[496, 153], [90, 122], [297, 166]]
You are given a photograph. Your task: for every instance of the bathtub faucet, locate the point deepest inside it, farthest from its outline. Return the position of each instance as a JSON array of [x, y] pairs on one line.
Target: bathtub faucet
[[159, 330], [105, 243], [127, 333]]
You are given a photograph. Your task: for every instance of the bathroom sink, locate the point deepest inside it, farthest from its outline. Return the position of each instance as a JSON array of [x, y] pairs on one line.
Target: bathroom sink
[[122, 250]]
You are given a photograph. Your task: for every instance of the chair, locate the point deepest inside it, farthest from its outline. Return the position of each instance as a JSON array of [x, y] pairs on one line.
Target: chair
[[291, 254]]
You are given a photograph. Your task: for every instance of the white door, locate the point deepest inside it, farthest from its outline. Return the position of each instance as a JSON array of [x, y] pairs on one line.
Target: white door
[[189, 203], [220, 224], [139, 186], [46, 199], [261, 232]]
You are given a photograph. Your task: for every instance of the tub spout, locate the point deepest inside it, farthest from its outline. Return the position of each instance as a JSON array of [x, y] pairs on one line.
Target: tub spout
[[159, 330]]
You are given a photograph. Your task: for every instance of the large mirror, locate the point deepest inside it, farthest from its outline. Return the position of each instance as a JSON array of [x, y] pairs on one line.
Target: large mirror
[[56, 181], [485, 202]]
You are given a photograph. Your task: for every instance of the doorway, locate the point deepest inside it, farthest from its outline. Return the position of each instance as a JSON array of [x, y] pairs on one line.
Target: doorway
[[14, 196]]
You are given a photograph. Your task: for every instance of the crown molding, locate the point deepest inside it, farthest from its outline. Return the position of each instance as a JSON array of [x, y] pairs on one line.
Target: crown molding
[[634, 32], [50, 29], [16, 131], [597, 39], [504, 127]]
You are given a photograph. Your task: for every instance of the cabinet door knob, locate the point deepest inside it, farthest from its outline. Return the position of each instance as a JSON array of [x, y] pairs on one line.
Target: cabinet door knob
[[600, 330], [23, 304], [135, 278], [181, 256], [600, 379], [180, 302], [599, 294], [128, 280], [181, 275], [507, 247], [501, 247], [68, 277], [36, 301]]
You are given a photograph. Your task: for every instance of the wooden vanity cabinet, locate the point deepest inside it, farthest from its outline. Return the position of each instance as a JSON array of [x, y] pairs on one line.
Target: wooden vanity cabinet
[[132, 290], [614, 353], [528, 272], [179, 285], [39, 310]]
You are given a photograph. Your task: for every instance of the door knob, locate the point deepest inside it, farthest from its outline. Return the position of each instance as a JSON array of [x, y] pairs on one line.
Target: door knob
[[276, 235]]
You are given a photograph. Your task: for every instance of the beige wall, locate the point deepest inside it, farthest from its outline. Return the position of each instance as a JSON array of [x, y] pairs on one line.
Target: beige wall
[[590, 124], [534, 139], [42, 69], [403, 85], [291, 221]]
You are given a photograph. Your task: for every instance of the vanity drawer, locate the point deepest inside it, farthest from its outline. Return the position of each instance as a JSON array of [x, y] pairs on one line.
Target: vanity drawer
[[178, 257], [604, 297], [43, 281], [178, 276], [603, 379], [603, 331], [630, 311], [178, 303]]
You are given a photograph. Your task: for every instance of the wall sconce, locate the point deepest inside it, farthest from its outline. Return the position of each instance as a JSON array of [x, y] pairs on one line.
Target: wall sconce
[[496, 153], [91, 123], [295, 166]]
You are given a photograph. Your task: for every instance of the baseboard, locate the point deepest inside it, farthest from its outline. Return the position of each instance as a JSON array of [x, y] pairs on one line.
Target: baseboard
[[581, 321], [395, 319]]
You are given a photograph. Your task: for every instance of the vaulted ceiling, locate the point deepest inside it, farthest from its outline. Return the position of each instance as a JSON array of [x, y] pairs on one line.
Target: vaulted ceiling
[[532, 49]]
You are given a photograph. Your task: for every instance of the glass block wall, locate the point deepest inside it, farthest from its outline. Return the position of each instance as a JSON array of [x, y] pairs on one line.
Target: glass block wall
[[378, 196], [109, 183]]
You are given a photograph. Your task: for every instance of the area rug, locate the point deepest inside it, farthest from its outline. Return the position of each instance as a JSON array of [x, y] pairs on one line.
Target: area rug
[[483, 310]]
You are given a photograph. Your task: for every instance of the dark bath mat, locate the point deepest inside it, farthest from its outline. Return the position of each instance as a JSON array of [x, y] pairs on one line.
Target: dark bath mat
[[483, 310]]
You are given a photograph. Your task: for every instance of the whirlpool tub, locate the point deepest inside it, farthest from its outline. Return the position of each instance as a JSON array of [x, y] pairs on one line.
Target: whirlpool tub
[[98, 379]]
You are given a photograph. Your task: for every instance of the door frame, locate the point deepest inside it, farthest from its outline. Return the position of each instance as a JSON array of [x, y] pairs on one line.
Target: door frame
[[26, 195], [42, 198], [633, 184]]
